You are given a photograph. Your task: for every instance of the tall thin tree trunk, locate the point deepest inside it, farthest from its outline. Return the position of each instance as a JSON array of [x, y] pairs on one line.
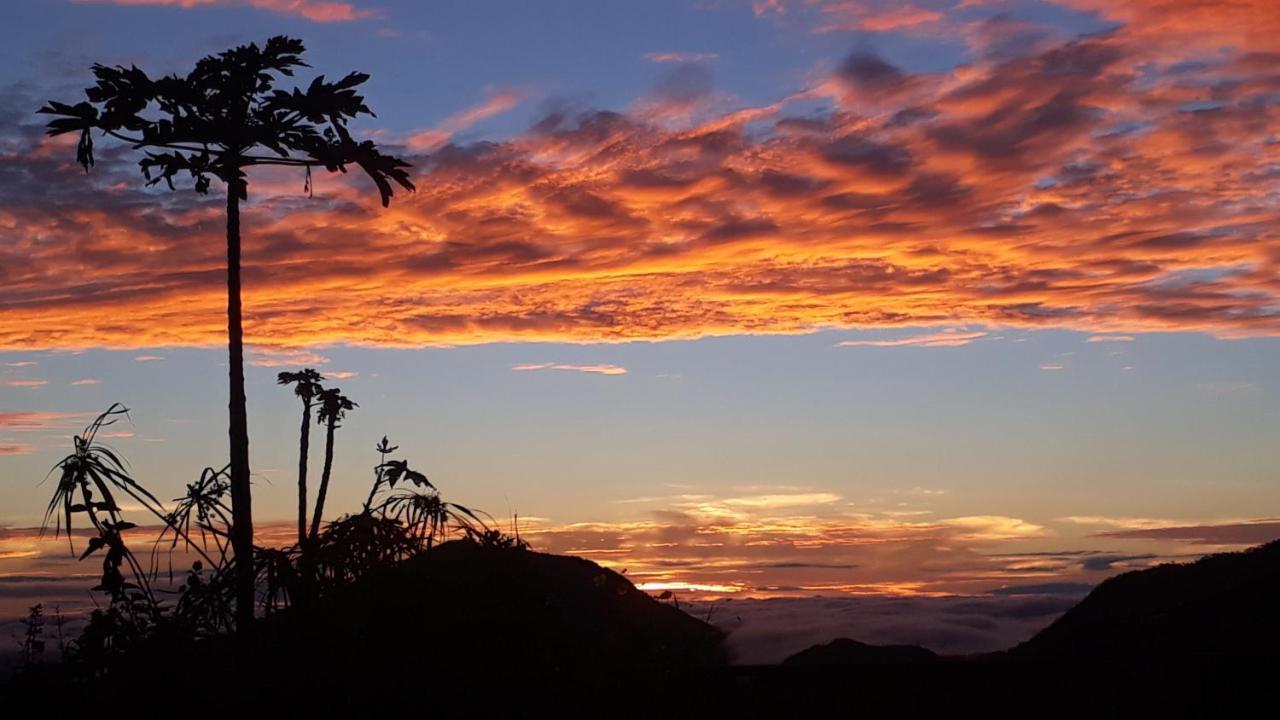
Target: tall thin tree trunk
[[324, 479], [238, 427], [304, 447]]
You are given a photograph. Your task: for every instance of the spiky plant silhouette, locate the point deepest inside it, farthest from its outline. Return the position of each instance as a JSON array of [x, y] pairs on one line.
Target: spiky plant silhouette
[[334, 407], [306, 385], [217, 121], [88, 481]]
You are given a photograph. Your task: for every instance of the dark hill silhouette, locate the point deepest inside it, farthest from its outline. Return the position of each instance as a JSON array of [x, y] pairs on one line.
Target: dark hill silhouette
[[548, 614], [466, 624], [843, 651], [1220, 604]]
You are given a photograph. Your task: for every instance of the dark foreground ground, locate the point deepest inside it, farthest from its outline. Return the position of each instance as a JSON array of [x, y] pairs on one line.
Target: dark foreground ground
[[487, 632]]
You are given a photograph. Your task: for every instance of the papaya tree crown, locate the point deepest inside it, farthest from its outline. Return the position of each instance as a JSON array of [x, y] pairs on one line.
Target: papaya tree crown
[[227, 114]]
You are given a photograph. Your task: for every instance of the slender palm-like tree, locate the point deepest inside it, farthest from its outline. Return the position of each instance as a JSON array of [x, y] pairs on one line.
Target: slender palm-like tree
[[306, 385], [217, 121], [333, 408]]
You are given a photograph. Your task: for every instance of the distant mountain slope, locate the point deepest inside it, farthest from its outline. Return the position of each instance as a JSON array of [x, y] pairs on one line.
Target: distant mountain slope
[[1221, 604], [843, 651]]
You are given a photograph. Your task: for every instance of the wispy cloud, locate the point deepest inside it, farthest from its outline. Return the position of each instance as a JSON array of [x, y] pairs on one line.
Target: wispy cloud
[[40, 420], [1109, 338], [987, 528], [1125, 522], [25, 383], [1052, 366], [149, 358], [945, 338], [20, 364], [285, 357], [432, 139], [595, 369], [1252, 532], [681, 57], [320, 11], [85, 381], [16, 449]]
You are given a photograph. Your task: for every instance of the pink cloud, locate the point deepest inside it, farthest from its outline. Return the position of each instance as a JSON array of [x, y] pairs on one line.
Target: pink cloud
[[873, 16], [680, 57]]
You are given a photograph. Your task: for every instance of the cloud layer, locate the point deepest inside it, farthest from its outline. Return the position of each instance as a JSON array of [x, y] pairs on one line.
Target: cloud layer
[[1118, 182]]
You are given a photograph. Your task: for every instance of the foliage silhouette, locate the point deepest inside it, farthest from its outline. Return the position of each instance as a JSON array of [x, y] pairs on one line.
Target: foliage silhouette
[[32, 642], [221, 118], [306, 385], [403, 517]]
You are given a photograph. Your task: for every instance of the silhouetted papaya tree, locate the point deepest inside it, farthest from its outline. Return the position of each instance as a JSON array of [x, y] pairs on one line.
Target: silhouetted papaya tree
[[334, 406], [306, 385], [218, 120]]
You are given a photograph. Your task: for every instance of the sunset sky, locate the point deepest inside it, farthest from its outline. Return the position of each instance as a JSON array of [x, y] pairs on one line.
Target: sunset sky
[[771, 298]]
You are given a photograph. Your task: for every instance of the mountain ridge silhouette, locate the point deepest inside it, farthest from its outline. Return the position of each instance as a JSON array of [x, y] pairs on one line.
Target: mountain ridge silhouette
[[510, 628]]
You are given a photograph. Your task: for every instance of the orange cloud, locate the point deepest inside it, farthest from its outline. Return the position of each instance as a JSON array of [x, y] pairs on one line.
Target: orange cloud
[[1084, 184], [16, 449], [786, 543], [321, 11]]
